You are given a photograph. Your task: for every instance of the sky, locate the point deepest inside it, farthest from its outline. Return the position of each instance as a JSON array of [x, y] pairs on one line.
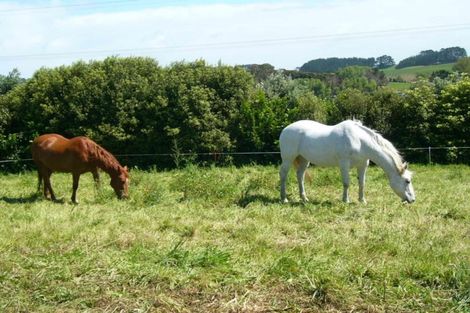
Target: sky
[[286, 34]]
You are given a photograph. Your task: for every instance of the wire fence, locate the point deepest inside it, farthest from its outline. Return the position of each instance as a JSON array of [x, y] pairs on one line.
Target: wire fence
[[417, 154]]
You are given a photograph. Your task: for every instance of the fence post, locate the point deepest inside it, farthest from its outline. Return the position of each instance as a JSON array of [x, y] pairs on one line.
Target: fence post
[[429, 155]]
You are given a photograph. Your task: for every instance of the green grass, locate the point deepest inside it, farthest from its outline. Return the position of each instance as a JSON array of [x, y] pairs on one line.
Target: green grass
[[218, 240], [410, 74], [399, 86]]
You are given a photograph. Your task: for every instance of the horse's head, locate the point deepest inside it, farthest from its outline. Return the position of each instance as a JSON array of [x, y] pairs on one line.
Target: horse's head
[[402, 186], [120, 183]]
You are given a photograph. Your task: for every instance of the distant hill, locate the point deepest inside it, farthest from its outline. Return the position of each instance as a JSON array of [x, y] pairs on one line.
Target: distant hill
[[426, 57], [431, 57], [409, 74]]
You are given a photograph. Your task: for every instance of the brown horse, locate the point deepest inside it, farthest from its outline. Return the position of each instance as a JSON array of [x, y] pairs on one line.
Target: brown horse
[[54, 153]]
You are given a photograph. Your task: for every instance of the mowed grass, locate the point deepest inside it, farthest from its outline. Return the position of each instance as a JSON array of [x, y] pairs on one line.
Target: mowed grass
[[218, 240]]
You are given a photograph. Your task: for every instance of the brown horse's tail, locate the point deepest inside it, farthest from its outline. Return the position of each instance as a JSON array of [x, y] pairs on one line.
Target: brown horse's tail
[[39, 181], [296, 165]]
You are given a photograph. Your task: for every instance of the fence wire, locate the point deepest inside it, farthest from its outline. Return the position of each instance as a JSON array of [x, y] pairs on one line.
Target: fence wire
[[247, 153]]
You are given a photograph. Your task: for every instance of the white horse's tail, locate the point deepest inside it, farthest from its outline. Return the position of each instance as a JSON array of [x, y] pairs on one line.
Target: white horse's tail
[[296, 165]]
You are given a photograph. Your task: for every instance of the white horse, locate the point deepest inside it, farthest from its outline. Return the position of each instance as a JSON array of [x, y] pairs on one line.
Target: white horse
[[348, 144]]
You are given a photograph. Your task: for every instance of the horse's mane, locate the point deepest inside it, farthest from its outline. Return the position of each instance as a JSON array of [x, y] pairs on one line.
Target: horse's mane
[[105, 159], [383, 143]]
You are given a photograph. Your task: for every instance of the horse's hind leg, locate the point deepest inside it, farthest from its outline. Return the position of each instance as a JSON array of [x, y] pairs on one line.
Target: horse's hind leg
[[47, 184], [285, 166], [39, 181], [301, 164], [96, 177]]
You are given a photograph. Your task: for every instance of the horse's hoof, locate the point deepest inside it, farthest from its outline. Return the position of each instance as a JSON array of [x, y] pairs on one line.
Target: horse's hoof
[[285, 201]]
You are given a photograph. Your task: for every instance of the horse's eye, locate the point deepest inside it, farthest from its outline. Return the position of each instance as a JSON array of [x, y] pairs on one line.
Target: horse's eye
[[407, 181]]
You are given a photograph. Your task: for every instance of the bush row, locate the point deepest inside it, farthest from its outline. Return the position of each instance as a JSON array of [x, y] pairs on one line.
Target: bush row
[[134, 105]]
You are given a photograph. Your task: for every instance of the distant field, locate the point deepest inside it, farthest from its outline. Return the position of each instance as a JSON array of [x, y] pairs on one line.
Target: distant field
[[218, 240], [410, 73], [399, 86]]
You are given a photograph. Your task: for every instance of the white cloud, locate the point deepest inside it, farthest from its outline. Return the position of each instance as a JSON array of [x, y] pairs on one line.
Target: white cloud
[[204, 31]]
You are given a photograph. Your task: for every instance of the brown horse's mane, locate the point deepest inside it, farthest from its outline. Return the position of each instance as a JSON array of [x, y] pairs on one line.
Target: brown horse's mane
[[104, 159]]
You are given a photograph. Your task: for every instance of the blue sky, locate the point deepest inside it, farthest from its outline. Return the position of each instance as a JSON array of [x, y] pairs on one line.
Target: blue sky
[[35, 34]]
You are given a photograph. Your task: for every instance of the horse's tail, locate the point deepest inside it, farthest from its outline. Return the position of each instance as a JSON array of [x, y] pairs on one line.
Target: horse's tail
[[296, 165], [39, 181]]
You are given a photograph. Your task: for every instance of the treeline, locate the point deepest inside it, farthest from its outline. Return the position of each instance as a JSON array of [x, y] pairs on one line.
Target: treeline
[[334, 64], [431, 57], [427, 57], [133, 105]]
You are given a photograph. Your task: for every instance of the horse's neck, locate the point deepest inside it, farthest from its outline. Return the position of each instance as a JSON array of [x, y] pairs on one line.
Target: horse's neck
[[379, 157], [105, 162]]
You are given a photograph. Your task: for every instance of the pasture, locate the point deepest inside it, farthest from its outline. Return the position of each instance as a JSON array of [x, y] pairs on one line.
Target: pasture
[[411, 73], [219, 240]]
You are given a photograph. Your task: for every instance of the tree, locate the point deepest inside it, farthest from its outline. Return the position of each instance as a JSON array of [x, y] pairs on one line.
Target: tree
[[462, 65], [334, 64], [451, 126], [357, 77], [384, 61], [430, 57], [8, 82], [350, 103], [410, 119], [260, 71]]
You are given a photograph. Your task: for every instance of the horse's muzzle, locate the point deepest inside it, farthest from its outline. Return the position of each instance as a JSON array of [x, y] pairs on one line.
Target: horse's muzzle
[[122, 196], [409, 201]]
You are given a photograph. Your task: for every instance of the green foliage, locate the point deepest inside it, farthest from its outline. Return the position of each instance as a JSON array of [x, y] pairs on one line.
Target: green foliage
[[260, 71], [411, 117], [360, 78], [335, 64], [132, 105], [384, 61], [9, 82], [463, 65], [451, 125], [351, 103]]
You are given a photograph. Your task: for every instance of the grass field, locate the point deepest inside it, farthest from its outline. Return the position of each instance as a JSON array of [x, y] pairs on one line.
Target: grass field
[[410, 74], [218, 240]]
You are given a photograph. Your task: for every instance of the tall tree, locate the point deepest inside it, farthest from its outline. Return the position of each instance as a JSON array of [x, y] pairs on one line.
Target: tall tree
[[384, 61], [9, 81]]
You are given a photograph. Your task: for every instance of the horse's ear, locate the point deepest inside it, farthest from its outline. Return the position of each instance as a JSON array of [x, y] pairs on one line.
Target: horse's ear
[[404, 167]]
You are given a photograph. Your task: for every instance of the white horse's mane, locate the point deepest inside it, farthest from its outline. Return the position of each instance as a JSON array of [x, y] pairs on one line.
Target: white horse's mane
[[386, 145]]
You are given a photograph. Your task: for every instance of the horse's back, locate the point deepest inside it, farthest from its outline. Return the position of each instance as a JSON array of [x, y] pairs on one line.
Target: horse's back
[[320, 144], [58, 153], [48, 143], [306, 138]]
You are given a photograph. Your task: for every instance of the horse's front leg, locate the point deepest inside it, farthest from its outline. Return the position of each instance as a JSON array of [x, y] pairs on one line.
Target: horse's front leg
[[361, 176], [76, 178], [344, 167]]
